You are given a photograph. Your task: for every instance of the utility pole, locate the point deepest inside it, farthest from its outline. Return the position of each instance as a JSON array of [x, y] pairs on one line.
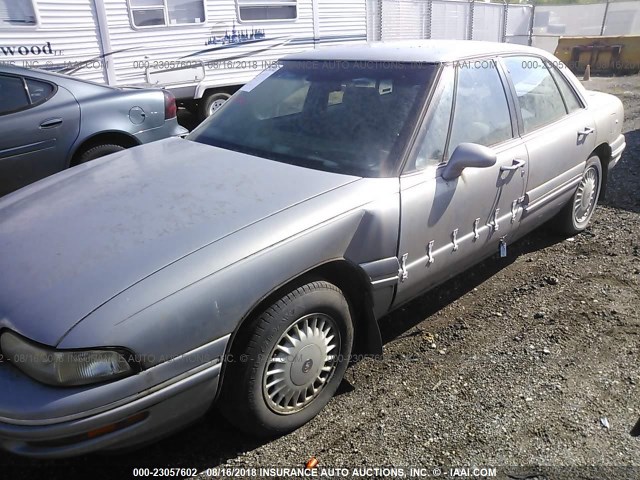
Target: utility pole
[[604, 18], [472, 5]]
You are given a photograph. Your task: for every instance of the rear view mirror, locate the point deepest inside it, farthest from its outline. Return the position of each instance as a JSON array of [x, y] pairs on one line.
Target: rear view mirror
[[468, 155]]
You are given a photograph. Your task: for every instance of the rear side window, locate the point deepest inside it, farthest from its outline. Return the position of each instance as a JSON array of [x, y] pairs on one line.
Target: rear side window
[[481, 110], [538, 96], [39, 91], [570, 98], [13, 95]]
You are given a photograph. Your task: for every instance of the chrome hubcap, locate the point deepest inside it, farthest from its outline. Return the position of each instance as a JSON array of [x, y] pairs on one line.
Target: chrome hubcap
[[216, 104], [301, 363], [586, 195]]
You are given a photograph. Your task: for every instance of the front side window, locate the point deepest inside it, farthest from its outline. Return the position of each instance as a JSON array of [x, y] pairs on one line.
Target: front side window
[[434, 143], [538, 95], [161, 13], [13, 94], [17, 13], [481, 113], [345, 117], [267, 10]]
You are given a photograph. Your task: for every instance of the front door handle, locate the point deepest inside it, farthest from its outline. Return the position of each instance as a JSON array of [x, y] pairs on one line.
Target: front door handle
[[587, 131], [50, 123], [517, 163]]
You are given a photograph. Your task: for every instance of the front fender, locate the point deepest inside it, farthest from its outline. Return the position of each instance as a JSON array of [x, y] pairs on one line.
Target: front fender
[[207, 294]]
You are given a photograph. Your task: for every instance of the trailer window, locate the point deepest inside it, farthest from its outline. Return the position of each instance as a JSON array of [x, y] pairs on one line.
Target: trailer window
[[267, 10], [17, 13], [162, 13]]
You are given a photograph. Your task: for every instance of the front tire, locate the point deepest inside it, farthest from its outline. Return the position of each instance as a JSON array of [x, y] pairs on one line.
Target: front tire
[[575, 216], [287, 362]]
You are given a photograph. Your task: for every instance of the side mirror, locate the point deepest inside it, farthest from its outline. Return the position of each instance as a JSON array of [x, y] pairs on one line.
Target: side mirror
[[468, 155]]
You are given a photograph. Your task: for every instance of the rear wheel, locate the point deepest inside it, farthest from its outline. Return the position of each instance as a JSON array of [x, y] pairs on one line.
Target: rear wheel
[[289, 361], [575, 216], [99, 151], [211, 103]]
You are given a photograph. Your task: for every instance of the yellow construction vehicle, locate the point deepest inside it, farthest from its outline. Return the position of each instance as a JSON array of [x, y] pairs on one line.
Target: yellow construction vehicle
[[606, 54]]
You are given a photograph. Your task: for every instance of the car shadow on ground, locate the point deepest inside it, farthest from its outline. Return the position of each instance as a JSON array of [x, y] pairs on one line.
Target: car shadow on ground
[[187, 119], [625, 177]]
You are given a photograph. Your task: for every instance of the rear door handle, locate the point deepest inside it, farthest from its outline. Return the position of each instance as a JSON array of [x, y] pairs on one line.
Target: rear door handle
[[517, 163], [587, 131], [50, 123]]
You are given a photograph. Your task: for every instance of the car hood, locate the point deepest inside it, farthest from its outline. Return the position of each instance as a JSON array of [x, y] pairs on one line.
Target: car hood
[[75, 240]]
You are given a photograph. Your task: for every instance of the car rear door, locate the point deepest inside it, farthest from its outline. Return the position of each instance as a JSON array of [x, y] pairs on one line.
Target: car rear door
[[39, 122], [448, 225], [558, 131]]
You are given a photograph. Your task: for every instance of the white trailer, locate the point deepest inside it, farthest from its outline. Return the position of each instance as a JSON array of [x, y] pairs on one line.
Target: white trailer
[[201, 50]]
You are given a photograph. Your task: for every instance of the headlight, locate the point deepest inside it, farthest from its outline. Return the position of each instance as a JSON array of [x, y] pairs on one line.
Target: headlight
[[63, 367]]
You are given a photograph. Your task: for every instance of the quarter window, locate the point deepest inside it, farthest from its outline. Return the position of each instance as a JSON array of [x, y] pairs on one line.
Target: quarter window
[[266, 10], [13, 94], [17, 13], [570, 98], [481, 110], [538, 95], [38, 91], [161, 13]]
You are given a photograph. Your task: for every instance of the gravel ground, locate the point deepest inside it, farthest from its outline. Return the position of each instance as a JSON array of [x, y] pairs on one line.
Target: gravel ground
[[517, 364]]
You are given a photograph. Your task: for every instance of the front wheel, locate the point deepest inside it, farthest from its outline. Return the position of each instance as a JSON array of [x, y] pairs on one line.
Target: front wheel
[[288, 362], [575, 216]]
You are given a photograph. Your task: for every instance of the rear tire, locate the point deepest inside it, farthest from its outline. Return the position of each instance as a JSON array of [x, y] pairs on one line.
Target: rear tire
[[211, 103], [287, 363], [577, 213], [99, 151]]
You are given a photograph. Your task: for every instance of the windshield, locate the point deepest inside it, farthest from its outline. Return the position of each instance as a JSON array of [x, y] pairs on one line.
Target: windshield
[[346, 117]]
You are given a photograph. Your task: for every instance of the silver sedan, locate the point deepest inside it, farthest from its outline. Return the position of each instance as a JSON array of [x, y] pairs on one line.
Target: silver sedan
[[245, 265]]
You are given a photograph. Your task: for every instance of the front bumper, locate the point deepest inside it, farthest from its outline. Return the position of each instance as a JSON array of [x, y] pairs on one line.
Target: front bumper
[[140, 417]]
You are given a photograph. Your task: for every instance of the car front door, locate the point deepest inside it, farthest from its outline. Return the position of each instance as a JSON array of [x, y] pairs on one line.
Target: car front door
[[558, 133], [447, 225], [39, 122]]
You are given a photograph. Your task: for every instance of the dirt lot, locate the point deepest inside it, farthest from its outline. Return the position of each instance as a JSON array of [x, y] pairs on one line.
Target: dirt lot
[[533, 361]]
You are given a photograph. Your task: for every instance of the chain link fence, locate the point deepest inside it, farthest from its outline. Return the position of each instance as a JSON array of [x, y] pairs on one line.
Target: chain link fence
[[527, 24]]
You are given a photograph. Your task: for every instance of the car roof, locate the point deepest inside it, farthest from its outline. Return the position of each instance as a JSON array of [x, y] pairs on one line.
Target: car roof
[[55, 77], [429, 51]]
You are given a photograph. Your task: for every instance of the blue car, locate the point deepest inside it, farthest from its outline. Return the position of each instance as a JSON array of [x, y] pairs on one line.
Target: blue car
[[50, 122]]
